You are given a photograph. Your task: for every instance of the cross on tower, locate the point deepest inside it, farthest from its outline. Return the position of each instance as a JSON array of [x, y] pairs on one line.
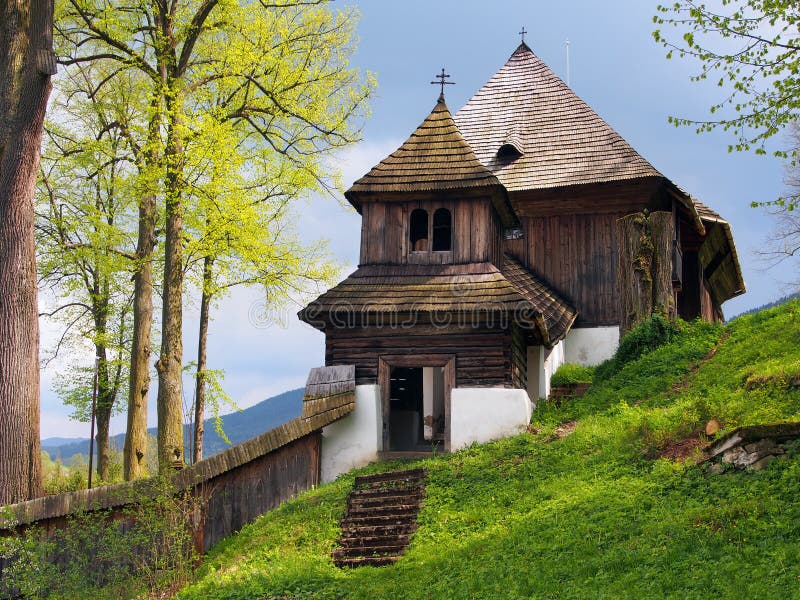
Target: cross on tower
[[441, 77], [522, 33]]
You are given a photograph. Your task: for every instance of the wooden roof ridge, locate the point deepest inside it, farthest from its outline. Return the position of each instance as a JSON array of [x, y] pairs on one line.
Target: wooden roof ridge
[[565, 141], [558, 314], [434, 157]]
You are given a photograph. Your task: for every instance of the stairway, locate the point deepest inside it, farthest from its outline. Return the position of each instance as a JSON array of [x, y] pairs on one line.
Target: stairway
[[381, 516]]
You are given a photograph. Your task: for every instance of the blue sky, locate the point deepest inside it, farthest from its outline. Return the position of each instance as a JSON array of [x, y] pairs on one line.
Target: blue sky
[[615, 67]]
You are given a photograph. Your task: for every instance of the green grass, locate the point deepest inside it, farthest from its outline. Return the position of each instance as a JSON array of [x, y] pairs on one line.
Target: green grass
[[587, 516], [572, 373]]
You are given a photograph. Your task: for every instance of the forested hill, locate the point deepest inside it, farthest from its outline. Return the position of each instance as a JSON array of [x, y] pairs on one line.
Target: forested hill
[[238, 426]]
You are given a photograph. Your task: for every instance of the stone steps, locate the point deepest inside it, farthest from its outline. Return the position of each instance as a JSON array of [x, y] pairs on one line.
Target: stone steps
[[381, 516]]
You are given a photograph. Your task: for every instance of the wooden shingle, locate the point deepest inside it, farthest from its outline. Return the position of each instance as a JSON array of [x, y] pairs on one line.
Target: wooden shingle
[[434, 158], [422, 292], [563, 141]]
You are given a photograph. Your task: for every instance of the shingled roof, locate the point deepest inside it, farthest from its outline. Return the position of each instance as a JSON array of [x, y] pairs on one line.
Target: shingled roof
[[436, 157], [729, 283], [558, 315], [479, 289], [561, 139]]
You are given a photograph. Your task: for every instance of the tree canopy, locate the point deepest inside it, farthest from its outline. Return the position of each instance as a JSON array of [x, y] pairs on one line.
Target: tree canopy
[[245, 104], [751, 50]]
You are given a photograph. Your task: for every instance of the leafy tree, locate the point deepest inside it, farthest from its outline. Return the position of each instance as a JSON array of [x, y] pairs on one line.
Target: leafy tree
[[85, 245], [272, 77], [751, 50], [241, 240], [26, 65]]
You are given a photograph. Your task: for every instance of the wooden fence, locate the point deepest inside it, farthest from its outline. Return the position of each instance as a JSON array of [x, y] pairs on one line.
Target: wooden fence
[[236, 485]]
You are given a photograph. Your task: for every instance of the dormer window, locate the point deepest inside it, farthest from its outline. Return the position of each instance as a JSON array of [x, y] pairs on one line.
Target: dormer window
[[442, 230], [418, 230], [508, 152], [511, 148]]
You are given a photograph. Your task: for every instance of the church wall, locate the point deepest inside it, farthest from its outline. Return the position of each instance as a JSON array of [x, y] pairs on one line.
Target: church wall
[[576, 254], [591, 345], [542, 363], [510, 415], [355, 440], [483, 354], [476, 232]]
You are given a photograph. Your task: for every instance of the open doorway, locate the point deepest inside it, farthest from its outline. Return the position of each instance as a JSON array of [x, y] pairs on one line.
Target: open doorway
[[416, 419]]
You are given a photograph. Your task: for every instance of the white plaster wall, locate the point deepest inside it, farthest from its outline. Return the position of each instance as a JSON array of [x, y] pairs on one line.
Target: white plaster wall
[[355, 440], [534, 373], [427, 400], [485, 414], [591, 345], [542, 363]]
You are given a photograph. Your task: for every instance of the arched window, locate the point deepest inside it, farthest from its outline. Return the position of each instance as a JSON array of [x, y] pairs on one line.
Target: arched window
[[418, 230], [442, 230]]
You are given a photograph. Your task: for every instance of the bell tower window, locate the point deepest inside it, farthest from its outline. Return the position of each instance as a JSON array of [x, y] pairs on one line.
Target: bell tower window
[[418, 230], [442, 230]]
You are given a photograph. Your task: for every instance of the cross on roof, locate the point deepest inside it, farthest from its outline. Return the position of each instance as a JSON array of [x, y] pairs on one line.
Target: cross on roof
[[522, 33], [441, 77]]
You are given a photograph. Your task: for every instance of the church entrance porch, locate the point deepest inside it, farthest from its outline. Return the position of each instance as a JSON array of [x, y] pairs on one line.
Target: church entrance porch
[[415, 402]]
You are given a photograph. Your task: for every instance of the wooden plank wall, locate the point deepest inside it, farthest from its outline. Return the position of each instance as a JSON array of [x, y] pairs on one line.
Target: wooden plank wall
[[576, 254], [242, 494], [483, 354], [689, 298], [384, 232], [235, 497], [519, 358]]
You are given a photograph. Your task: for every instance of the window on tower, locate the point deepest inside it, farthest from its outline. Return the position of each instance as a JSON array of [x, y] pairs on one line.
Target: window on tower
[[418, 230]]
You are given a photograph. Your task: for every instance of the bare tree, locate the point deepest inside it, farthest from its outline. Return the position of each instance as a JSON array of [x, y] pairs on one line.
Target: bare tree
[[783, 244]]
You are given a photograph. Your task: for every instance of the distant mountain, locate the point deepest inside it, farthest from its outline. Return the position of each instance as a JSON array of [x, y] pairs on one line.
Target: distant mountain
[[59, 441], [777, 302], [238, 426]]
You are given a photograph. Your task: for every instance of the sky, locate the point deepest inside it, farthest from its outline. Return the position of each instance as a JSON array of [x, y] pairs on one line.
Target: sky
[[615, 66]]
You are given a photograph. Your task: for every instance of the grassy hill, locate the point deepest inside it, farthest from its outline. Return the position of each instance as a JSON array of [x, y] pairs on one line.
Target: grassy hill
[[595, 513]]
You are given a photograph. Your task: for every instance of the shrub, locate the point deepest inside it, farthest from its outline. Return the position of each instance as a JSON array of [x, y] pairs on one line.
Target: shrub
[[640, 340], [143, 551], [572, 373]]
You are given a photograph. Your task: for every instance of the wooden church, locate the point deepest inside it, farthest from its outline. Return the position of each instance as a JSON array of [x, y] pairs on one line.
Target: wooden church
[[496, 244]]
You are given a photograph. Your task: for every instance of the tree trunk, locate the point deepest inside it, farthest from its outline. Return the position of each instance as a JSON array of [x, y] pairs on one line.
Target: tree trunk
[[105, 403], [662, 231], [26, 64], [635, 283], [202, 359], [645, 266], [135, 451], [170, 363]]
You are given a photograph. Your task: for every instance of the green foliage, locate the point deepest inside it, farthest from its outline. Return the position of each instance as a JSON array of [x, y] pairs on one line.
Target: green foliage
[[751, 50], [58, 478], [587, 516], [643, 338], [145, 550], [572, 373]]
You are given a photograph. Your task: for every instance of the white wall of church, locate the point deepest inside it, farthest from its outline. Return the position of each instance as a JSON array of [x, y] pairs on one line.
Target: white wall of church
[[432, 399], [485, 414], [355, 440], [542, 363], [591, 345]]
